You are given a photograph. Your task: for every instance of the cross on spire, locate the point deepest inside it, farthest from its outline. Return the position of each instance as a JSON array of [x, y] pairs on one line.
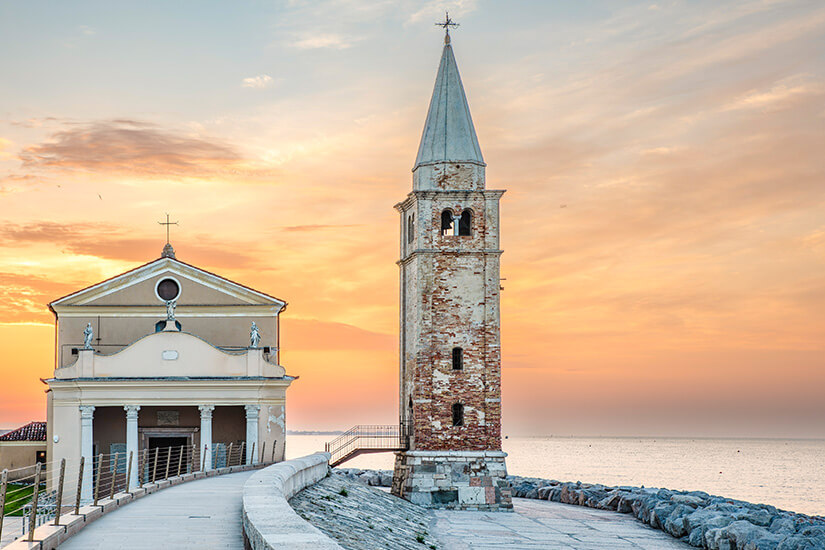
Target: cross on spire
[[167, 223], [446, 26]]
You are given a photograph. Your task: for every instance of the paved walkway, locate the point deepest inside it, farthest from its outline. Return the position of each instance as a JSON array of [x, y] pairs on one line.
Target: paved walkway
[[539, 524], [12, 528], [200, 514]]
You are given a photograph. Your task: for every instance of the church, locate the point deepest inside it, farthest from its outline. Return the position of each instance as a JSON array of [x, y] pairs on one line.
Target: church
[[167, 355]]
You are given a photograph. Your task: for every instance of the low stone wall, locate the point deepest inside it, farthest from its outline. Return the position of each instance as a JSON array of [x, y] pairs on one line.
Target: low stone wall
[[269, 522], [700, 519]]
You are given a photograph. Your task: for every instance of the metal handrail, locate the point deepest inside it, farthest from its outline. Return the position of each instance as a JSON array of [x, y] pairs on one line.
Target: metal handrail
[[110, 474], [367, 438]]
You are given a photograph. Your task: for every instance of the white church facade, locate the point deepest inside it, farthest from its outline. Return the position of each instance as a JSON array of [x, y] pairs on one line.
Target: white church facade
[[167, 355]]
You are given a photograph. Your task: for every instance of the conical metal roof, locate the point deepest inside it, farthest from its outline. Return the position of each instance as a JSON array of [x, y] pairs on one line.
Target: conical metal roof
[[449, 134]]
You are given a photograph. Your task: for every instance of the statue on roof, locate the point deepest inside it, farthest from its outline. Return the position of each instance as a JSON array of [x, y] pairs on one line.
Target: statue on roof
[[254, 336], [170, 309], [88, 334]]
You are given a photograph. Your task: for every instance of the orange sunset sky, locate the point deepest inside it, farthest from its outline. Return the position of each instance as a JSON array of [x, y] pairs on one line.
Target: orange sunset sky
[[663, 229]]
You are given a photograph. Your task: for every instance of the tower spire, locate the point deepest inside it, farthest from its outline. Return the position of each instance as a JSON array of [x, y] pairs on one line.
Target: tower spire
[[449, 134]]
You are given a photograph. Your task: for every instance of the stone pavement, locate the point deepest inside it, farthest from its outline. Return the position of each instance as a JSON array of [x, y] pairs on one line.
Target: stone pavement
[[12, 528], [199, 514], [539, 524]]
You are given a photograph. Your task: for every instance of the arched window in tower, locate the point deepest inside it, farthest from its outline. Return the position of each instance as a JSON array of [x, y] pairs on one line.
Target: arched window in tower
[[458, 414], [465, 224], [458, 359], [447, 223]]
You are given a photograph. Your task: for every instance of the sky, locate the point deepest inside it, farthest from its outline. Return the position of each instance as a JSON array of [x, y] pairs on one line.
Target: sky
[[663, 226]]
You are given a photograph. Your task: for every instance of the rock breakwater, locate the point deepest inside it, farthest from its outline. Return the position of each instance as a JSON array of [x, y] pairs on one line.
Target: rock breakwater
[[696, 517], [358, 517]]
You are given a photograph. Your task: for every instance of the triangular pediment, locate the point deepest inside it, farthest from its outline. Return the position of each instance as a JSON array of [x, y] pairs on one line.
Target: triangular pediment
[[138, 287]]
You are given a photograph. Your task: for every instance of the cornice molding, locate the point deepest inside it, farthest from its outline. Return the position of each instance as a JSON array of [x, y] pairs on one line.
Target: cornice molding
[[457, 251], [159, 311]]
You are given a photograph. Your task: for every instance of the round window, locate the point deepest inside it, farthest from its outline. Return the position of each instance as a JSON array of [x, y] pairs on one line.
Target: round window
[[168, 289]]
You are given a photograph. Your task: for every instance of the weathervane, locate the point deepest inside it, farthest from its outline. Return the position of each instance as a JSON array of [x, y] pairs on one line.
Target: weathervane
[[446, 26], [167, 223]]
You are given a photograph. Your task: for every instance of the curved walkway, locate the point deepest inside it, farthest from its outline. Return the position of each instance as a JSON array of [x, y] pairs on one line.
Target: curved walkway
[[540, 524], [200, 514]]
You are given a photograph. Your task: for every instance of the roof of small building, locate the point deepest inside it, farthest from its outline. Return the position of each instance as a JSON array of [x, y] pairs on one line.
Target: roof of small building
[[33, 431]]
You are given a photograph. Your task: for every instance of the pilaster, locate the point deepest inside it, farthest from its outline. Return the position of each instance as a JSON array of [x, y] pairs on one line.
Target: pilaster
[[206, 434], [132, 440], [252, 413], [87, 415]]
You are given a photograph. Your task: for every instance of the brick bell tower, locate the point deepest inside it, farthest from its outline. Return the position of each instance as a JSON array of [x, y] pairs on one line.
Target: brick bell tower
[[450, 360]]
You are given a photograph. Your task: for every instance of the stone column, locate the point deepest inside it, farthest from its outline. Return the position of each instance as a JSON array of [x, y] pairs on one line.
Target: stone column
[[206, 433], [252, 412], [87, 415], [132, 440]]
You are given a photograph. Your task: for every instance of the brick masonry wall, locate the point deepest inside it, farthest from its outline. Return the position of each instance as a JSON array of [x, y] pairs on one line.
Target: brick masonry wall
[[450, 298]]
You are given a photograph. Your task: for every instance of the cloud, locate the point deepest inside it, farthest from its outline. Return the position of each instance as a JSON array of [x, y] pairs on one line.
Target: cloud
[[315, 41], [260, 81], [130, 146], [5, 145], [112, 242], [315, 335], [34, 122], [316, 227], [23, 297], [49, 232], [779, 96], [434, 9]]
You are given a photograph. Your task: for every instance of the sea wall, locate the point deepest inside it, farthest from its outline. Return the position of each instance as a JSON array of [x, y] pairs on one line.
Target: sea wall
[[700, 519], [269, 522]]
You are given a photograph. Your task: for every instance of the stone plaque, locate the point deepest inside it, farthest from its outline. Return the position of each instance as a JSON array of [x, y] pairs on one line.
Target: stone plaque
[[168, 418], [169, 355]]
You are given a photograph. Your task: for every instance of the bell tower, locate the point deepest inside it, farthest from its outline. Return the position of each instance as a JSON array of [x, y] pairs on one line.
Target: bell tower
[[450, 356]]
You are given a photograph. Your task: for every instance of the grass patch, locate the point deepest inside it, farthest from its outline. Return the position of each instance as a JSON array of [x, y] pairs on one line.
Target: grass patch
[[343, 492], [17, 496]]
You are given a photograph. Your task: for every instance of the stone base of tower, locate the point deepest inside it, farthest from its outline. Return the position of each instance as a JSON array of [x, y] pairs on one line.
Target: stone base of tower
[[459, 480]]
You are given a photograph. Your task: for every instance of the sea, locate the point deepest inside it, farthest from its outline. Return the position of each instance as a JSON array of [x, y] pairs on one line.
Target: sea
[[786, 473]]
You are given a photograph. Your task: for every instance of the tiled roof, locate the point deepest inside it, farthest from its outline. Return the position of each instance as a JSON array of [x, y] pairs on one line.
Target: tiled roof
[[33, 431]]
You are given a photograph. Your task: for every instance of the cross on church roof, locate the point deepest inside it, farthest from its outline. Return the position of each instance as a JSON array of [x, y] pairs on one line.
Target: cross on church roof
[[168, 251], [446, 26], [167, 223]]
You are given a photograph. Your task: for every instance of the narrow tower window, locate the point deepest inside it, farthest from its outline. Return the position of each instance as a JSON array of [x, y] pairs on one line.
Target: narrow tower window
[[411, 228], [465, 224], [458, 414], [458, 358], [447, 223]]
